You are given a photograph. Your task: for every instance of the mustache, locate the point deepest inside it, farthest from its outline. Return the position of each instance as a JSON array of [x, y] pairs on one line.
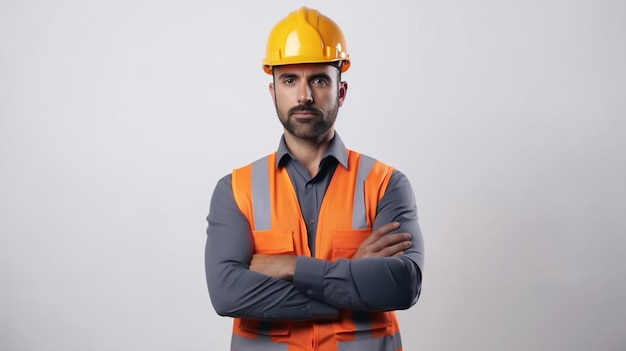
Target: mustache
[[307, 108]]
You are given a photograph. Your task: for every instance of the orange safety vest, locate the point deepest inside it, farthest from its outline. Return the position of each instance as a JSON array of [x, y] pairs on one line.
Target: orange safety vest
[[266, 197]]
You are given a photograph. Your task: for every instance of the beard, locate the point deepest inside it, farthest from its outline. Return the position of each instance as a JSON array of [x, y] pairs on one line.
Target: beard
[[309, 128]]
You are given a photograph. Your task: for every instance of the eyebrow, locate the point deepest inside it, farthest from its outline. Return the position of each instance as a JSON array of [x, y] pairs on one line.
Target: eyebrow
[[286, 75], [311, 77], [319, 75]]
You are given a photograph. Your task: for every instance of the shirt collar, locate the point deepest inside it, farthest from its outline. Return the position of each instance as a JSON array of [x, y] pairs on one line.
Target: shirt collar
[[336, 149]]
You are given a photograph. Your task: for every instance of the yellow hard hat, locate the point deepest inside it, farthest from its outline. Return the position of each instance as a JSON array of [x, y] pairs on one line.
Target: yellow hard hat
[[305, 36]]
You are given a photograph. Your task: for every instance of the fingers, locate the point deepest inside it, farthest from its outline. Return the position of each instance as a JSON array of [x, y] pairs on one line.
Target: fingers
[[396, 246], [275, 266], [387, 228], [389, 242], [381, 232], [381, 243]]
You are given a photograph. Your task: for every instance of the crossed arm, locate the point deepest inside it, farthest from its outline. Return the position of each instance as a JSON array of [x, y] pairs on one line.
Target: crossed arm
[[380, 243], [287, 287]]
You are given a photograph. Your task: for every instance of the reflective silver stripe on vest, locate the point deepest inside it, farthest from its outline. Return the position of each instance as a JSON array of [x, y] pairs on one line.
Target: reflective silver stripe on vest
[[260, 343], [363, 341], [261, 203], [261, 195], [359, 219]]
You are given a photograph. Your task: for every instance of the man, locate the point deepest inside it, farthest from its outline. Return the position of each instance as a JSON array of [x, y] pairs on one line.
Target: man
[[313, 246]]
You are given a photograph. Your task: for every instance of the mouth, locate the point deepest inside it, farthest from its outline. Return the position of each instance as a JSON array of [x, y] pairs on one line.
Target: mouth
[[303, 114]]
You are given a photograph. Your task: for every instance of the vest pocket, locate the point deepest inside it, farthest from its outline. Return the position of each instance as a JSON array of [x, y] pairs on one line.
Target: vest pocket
[[346, 242], [273, 242]]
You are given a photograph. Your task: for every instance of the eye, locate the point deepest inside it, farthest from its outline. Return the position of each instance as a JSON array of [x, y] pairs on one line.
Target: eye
[[289, 81], [320, 81]]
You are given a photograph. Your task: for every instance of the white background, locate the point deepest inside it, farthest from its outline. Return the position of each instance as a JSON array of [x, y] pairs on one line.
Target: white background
[[118, 118]]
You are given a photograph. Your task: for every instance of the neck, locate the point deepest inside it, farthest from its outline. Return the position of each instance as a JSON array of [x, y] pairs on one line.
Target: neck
[[309, 152]]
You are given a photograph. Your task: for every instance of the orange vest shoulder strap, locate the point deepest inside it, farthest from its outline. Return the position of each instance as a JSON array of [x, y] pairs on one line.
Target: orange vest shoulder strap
[[243, 179], [371, 183]]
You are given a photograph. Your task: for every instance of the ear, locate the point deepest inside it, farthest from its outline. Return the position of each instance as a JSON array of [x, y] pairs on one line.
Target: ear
[[343, 89], [271, 89]]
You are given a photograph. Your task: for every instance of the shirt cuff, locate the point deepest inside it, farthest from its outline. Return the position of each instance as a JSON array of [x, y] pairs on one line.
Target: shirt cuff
[[308, 277]]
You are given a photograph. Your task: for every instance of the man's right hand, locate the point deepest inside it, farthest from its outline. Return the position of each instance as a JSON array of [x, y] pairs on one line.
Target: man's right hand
[[382, 244]]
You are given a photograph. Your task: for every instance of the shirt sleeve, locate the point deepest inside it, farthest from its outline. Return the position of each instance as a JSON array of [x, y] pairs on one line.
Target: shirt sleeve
[[235, 290], [358, 284]]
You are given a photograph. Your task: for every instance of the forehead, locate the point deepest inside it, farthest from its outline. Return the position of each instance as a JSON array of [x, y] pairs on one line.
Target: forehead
[[305, 69]]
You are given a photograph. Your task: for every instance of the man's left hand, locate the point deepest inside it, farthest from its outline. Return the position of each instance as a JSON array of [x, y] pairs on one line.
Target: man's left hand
[[276, 266]]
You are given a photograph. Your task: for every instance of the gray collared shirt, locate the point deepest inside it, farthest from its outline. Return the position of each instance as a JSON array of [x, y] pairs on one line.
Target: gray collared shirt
[[319, 287], [310, 191]]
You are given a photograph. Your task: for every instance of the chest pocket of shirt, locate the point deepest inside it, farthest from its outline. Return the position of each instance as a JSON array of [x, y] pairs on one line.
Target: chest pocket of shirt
[[346, 242], [273, 242]]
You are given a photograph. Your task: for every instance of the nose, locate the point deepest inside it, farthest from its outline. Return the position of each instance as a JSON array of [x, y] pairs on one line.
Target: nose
[[305, 95]]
